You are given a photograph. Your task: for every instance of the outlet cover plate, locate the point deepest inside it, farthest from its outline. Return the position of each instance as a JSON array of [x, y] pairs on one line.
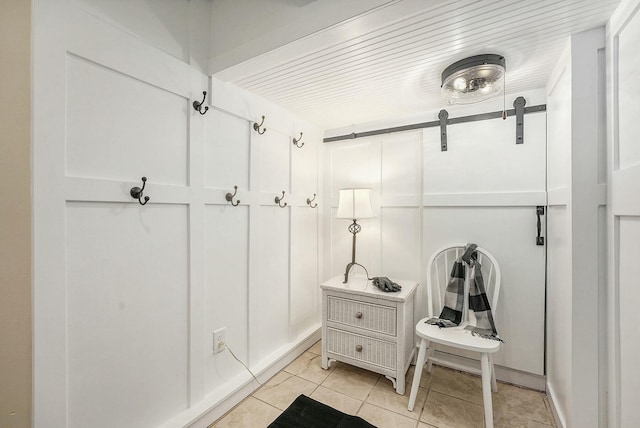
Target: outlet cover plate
[[219, 336]]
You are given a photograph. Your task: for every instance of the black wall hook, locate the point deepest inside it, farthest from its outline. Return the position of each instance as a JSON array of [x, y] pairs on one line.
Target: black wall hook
[[136, 192], [229, 196], [198, 105], [280, 198], [311, 200], [256, 127], [296, 141]]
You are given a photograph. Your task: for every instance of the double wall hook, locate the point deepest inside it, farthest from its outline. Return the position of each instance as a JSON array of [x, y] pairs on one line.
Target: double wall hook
[[136, 192], [297, 140], [311, 200], [198, 105], [280, 198], [256, 127], [229, 196]]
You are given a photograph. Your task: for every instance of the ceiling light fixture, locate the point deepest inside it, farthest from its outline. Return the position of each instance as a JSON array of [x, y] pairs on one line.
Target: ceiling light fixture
[[473, 79]]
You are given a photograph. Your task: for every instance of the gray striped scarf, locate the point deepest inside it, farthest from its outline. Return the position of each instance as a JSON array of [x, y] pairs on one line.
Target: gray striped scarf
[[451, 314]]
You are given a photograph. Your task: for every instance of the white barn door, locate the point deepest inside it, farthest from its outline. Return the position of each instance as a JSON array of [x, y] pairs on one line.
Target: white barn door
[[485, 189]]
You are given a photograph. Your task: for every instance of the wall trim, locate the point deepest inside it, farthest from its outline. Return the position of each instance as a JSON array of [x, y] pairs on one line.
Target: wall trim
[[555, 411], [485, 199], [221, 400], [503, 374]]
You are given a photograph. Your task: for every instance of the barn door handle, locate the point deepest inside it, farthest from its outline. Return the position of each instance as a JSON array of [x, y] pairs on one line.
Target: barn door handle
[[539, 212]]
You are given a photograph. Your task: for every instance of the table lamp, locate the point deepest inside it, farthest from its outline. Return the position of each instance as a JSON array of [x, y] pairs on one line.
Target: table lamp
[[354, 204]]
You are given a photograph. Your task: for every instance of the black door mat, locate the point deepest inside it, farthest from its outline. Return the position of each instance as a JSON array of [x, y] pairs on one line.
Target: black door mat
[[305, 412]]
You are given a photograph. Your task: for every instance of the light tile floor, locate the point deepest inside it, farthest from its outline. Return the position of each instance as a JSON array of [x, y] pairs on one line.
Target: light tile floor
[[446, 398]]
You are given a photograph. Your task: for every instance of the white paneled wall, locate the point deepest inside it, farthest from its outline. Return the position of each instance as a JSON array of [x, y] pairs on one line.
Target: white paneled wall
[[126, 296], [227, 151], [483, 189], [227, 287], [127, 280], [269, 301], [575, 263], [623, 216], [559, 278]]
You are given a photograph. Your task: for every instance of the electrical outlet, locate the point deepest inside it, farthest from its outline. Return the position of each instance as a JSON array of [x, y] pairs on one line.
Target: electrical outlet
[[219, 337]]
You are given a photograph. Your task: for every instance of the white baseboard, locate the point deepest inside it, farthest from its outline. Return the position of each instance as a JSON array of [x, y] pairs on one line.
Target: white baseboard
[[221, 400], [504, 374], [558, 416]]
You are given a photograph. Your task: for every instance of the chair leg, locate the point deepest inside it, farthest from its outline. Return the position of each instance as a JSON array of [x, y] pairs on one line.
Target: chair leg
[[417, 374], [486, 390], [430, 352], [494, 384]]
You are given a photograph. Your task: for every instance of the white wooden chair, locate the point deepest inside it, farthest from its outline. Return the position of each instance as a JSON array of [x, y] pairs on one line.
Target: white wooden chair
[[438, 271]]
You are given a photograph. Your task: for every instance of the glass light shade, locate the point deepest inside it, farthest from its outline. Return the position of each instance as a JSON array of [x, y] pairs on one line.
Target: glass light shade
[[355, 204], [473, 79]]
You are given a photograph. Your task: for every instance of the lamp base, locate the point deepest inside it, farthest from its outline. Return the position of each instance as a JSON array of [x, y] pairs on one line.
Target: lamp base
[[349, 266]]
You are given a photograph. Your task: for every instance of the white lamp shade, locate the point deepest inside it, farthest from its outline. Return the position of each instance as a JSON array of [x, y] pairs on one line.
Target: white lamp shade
[[355, 204]]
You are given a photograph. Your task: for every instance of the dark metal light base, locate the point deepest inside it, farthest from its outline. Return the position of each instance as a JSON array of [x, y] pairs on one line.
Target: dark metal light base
[[353, 228], [349, 266]]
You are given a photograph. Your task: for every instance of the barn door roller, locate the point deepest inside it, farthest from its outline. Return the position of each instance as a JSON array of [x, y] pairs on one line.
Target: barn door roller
[[518, 104], [443, 115]]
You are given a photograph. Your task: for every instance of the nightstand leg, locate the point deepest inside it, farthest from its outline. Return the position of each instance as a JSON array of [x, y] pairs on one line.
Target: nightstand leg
[[400, 383]]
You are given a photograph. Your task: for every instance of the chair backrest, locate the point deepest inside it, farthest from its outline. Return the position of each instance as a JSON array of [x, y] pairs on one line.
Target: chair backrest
[[439, 271]]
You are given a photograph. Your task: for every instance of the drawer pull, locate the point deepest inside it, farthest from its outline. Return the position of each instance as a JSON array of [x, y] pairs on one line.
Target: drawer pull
[[358, 315], [358, 348]]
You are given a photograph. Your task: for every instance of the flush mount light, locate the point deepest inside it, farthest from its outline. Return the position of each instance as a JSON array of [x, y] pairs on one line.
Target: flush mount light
[[473, 79]]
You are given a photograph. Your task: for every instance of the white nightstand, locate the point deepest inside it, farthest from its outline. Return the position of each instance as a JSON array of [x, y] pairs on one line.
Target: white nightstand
[[369, 328]]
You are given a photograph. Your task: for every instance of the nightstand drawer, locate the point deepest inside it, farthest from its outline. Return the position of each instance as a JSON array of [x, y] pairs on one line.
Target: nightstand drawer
[[362, 315], [362, 348]]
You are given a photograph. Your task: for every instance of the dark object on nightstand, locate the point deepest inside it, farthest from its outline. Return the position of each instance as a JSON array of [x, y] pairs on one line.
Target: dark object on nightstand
[[385, 284]]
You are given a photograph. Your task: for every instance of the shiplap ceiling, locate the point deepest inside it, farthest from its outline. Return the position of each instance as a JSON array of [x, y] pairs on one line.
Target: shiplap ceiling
[[388, 61]]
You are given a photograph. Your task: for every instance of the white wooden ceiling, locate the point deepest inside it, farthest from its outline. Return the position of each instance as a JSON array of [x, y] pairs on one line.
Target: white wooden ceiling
[[388, 61]]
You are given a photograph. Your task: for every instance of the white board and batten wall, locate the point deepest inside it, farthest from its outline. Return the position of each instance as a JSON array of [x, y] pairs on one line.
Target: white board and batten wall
[[576, 273], [483, 189], [126, 297], [623, 213]]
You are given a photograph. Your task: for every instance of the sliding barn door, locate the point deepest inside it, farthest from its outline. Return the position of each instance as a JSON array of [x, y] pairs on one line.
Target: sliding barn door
[[485, 189]]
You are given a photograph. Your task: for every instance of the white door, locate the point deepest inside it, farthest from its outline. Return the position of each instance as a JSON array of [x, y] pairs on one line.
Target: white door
[[624, 213], [485, 189]]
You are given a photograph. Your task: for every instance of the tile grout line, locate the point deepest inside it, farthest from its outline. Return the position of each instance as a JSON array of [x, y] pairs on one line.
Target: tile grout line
[[268, 404], [380, 378], [428, 388]]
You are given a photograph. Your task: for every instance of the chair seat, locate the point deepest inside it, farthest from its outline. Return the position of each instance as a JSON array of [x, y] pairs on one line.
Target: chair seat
[[456, 336]]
